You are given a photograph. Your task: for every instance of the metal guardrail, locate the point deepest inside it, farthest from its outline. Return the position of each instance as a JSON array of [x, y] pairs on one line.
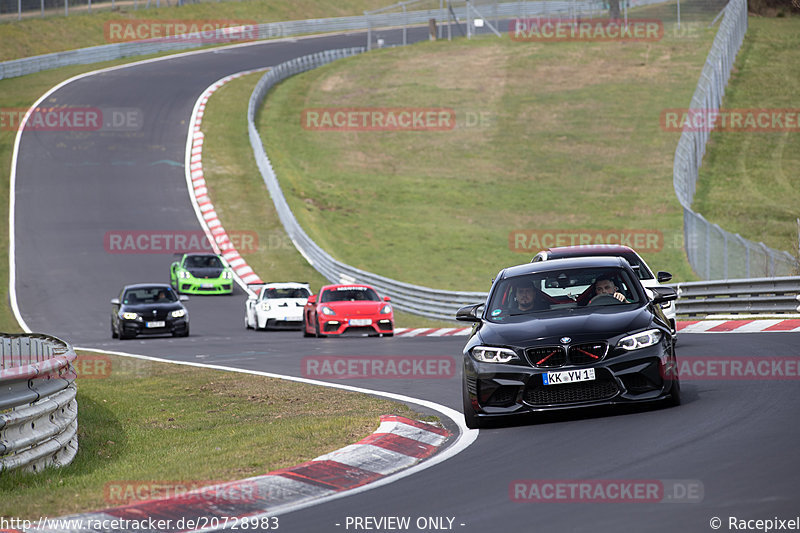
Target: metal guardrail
[[712, 251], [750, 296], [38, 410]]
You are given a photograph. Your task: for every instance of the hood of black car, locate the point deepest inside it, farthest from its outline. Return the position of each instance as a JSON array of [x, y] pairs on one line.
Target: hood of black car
[[582, 325], [144, 308]]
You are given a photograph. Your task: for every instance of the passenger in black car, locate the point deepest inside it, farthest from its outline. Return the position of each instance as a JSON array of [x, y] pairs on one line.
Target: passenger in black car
[[527, 298]]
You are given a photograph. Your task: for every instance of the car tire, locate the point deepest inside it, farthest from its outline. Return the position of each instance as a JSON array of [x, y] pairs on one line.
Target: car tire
[[317, 334], [305, 328], [247, 322], [674, 399], [123, 336], [184, 334], [114, 334], [470, 418]]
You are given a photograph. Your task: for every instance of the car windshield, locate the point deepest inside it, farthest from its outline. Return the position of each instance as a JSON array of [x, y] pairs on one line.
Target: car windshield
[[349, 294], [289, 292], [561, 291], [203, 261], [149, 295]]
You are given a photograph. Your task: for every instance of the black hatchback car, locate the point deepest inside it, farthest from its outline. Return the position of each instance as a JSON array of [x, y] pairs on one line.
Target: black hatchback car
[[148, 309], [567, 333]]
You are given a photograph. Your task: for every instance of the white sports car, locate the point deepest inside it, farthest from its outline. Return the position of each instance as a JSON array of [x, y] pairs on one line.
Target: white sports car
[[276, 305]]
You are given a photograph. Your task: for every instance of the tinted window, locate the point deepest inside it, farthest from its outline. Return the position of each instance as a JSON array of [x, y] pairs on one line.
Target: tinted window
[[149, 295], [560, 291], [352, 294], [203, 261], [273, 293]]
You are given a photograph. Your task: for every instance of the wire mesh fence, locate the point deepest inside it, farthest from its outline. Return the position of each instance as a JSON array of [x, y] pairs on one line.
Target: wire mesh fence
[[713, 252]]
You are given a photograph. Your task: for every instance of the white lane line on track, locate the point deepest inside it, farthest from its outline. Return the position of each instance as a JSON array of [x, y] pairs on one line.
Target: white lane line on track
[[464, 438]]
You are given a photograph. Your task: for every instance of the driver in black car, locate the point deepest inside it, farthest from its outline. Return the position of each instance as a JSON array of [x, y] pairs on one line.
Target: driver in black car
[[607, 287]]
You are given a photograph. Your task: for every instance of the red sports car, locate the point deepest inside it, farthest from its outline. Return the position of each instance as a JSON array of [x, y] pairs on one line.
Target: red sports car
[[339, 309]]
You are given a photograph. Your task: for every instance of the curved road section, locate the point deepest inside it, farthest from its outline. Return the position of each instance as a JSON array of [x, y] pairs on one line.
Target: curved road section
[[726, 456]]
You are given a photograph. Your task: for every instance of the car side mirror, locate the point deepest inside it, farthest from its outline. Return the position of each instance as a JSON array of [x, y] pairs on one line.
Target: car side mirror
[[183, 297], [387, 299], [663, 277], [663, 294], [312, 299], [115, 301], [469, 313]]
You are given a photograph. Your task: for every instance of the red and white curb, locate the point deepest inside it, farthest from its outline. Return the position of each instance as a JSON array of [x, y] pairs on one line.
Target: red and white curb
[[684, 326], [397, 444], [431, 332], [739, 326], [198, 190]]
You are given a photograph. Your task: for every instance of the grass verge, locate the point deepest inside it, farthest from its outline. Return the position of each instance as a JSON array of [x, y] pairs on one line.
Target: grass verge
[[750, 181], [562, 136], [164, 425]]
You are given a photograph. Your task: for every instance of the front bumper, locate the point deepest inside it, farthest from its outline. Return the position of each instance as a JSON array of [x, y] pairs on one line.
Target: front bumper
[[133, 328], [205, 286], [631, 377], [334, 325]]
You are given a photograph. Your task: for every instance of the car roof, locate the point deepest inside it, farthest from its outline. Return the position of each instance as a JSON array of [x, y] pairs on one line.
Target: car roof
[[147, 286], [561, 264], [585, 250], [200, 254], [286, 285], [343, 285]]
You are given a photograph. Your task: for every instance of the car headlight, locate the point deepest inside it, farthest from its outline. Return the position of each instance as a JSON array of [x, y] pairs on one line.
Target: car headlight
[[327, 310], [491, 354], [640, 340], [130, 316], [184, 274], [178, 313], [265, 306], [386, 309], [227, 274]]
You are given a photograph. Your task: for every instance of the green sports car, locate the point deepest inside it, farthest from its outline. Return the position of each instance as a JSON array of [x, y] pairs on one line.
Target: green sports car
[[200, 273]]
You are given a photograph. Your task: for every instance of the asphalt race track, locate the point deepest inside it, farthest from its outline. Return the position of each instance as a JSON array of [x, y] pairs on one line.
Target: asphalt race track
[[732, 443]]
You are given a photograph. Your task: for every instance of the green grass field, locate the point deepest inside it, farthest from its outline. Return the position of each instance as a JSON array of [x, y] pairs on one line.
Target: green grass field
[[56, 33], [750, 181], [162, 424], [561, 137]]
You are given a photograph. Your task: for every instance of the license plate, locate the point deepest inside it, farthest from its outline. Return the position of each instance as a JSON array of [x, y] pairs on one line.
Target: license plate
[[360, 322], [568, 376], [157, 324], [207, 285]]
